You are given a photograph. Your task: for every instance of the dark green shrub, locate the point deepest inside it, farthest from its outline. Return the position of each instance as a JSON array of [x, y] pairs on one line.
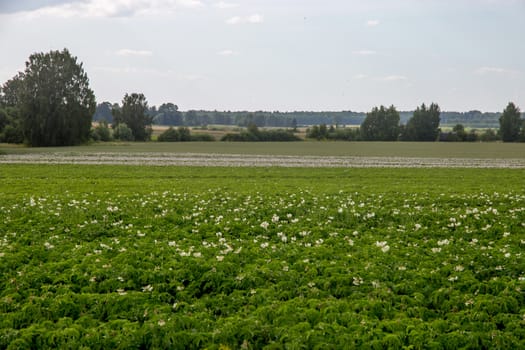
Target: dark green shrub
[[123, 132], [101, 132], [169, 135]]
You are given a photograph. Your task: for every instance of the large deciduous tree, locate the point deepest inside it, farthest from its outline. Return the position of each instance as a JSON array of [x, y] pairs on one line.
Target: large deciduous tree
[[510, 123], [424, 124], [10, 92], [53, 98], [134, 113], [381, 124]]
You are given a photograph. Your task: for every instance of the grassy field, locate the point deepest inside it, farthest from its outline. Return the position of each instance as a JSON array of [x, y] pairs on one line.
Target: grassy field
[[313, 148], [277, 258]]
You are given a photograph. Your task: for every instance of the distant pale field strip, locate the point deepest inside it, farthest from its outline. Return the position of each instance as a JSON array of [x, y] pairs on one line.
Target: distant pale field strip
[[476, 150], [245, 160]]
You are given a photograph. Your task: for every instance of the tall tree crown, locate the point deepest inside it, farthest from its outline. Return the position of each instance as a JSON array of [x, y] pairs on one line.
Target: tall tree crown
[[54, 99], [510, 123]]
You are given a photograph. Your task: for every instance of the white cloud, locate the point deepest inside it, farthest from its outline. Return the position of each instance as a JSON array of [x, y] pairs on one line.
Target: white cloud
[[360, 76], [130, 52], [234, 20], [253, 19], [227, 53], [364, 52], [225, 5], [111, 8], [394, 78], [372, 23], [494, 70]]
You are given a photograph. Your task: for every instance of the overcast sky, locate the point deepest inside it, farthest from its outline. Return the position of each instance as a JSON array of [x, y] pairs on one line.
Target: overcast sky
[[282, 54]]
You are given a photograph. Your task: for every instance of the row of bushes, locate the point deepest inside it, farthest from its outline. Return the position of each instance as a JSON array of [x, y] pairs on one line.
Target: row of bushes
[[182, 134], [102, 132], [253, 133], [458, 134]]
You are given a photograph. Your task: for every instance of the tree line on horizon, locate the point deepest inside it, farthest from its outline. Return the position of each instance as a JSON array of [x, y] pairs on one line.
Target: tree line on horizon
[[51, 104], [169, 114], [384, 124]]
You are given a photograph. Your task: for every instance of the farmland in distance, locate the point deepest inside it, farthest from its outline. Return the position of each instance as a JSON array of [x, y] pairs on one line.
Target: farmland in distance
[[487, 150]]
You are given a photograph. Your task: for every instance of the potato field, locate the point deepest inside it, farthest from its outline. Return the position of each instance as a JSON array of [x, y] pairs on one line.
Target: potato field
[[140, 257]]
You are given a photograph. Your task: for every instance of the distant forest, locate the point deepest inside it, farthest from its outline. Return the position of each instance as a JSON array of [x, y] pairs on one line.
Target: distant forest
[[169, 114]]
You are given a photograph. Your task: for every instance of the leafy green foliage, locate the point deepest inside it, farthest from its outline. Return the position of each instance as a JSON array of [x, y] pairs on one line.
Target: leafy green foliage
[[133, 113], [54, 100], [171, 135], [123, 132], [102, 132], [489, 135], [218, 258], [322, 132], [253, 134], [381, 124], [424, 124], [182, 134], [10, 128], [510, 123], [11, 91]]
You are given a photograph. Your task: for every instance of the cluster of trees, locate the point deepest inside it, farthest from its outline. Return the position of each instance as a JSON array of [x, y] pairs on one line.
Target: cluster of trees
[[51, 104], [324, 132], [383, 124], [129, 121]]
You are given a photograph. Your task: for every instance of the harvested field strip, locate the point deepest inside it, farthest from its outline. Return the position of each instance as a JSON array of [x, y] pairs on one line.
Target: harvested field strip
[[238, 160]]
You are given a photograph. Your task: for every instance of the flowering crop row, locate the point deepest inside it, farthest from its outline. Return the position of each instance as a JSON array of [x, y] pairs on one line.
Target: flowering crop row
[[302, 268]]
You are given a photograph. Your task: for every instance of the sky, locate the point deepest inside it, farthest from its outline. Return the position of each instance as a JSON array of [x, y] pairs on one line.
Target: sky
[[282, 54]]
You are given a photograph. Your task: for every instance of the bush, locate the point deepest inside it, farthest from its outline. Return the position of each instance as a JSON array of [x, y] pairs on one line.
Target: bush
[[12, 134], [101, 132], [10, 128], [459, 134], [169, 135], [182, 134], [123, 132], [253, 134], [321, 132]]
